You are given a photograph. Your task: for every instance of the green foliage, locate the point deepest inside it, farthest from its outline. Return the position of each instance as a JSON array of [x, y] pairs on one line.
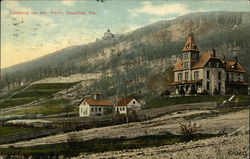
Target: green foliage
[[16, 101], [160, 102], [13, 130]]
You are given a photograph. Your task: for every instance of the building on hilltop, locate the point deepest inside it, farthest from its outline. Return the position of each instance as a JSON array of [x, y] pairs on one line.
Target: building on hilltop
[[197, 72], [108, 35]]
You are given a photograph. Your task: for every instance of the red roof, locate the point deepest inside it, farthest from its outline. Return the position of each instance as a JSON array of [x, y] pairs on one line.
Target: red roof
[[190, 44], [233, 66], [199, 64], [124, 101], [93, 102]]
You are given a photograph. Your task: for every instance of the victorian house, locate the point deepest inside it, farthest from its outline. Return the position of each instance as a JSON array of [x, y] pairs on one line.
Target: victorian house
[[197, 72]]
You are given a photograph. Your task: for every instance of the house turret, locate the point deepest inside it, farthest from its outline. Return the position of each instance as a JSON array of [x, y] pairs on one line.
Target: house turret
[[190, 52]]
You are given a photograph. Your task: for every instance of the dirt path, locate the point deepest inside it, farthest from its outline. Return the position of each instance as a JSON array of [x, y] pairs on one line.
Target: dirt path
[[225, 147], [227, 123]]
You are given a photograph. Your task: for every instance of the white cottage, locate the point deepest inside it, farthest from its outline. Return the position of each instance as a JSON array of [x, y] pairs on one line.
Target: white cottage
[[94, 107], [127, 103]]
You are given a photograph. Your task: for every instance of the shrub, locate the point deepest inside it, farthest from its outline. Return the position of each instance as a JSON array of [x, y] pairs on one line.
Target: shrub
[[188, 130]]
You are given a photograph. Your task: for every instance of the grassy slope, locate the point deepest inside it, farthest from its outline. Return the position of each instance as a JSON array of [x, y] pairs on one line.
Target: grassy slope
[[34, 92], [13, 130], [160, 102]]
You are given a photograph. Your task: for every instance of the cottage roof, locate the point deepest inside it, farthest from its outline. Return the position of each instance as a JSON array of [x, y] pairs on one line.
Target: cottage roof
[[124, 101], [93, 102]]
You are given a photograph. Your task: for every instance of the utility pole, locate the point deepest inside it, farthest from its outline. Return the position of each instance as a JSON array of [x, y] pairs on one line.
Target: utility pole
[[125, 94]]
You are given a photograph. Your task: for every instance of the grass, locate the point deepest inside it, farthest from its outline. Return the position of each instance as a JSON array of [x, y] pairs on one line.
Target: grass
[[14, 130], [101, 145], [55, 102], [44, 110], [16, 101], [36, 93], [12, 92], [160, 102], [51, 86], [215, 112]]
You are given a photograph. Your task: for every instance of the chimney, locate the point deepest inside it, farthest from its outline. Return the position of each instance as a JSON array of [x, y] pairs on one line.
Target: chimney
[[213, 53], [236, 59], [97, 95]]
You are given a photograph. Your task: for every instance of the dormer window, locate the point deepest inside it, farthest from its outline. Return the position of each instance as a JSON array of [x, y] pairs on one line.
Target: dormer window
[[195, 47], [209, 64], [232, 66]]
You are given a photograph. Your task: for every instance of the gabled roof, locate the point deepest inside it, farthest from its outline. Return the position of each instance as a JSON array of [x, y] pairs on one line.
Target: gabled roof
[[204, 58], [190, 44], [233, 66], [124, 101], [93, 102]]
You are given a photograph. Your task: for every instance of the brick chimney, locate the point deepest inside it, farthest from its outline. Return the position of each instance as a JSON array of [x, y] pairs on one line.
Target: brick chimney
[[213, 53]]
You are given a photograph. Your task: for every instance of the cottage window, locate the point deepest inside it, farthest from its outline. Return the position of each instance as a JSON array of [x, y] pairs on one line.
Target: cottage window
[[186, 75], [196, 75], [179, 76], [208, 74]]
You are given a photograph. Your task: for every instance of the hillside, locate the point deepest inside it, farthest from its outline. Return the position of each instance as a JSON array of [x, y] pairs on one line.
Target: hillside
[[141, 53]]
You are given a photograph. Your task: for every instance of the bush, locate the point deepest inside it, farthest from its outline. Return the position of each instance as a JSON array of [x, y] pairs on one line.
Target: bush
[[188, 130]]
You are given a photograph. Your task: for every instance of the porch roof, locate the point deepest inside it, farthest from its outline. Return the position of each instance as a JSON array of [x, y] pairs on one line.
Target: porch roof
[[184, 82]]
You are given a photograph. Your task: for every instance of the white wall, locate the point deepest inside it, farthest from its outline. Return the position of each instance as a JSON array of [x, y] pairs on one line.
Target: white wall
[[84, 109]]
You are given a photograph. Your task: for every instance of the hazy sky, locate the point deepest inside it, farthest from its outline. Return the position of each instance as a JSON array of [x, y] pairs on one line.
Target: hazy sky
[[26, 35]]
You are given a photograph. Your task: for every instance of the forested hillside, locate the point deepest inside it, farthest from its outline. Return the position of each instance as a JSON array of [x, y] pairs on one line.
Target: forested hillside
[[137, 55]]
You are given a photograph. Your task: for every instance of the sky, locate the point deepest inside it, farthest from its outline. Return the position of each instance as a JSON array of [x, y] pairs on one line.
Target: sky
[[31, 29]]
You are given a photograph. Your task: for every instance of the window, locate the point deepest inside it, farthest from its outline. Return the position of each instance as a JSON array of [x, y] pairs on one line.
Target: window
[[196, 75], [133, 102], [227, 76], [208, 74], [186, 75], [179, 76], [208, 85], [92, 109], [238, 77], [185, 55], [186, 65], [219, 75], [209, 64], [217, 64], [219, 86], [100, 109]]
